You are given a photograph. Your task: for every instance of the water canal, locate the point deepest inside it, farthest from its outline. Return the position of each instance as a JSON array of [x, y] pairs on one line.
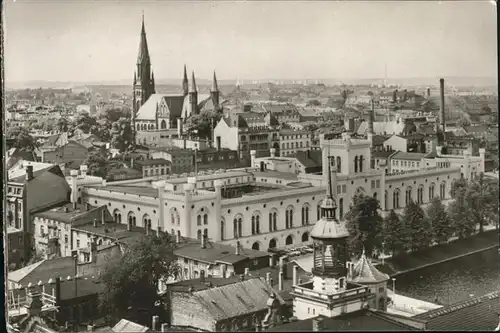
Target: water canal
[[453, 281]]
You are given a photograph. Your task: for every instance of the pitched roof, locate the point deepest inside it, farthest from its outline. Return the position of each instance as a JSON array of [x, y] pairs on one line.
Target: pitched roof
[[378, 140], [309, 159], [238, 299], [148, 110], [477, 128], [19, 169], [44, 270], [364, 272], [362, 320], [478, 314], [125, 325], [381, 154]]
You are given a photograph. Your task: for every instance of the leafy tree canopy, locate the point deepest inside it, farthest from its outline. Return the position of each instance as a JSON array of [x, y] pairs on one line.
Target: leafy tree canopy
[[439, 220], [393, 233], [22, 138], [132, 280], [364, 224], [417, 227]]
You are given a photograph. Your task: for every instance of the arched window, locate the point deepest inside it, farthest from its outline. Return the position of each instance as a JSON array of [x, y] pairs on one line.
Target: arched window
[[409, 197], [163, 124], [289, 240], [341, 208], [305, 237], [275, 221], [253, 225], [198, 234], [431, 192], [272, 243], [205, 233], [339, 164], [442, 190], [270, 222], [256, 246], [117, 216], [361, 163], [222, 229], [257, 224], [205, 219], [235, 228], [240, 224], [289, 217], [198, 220], [356, 164], [305, 215], [420, 195], [395, 199], [386, 197]]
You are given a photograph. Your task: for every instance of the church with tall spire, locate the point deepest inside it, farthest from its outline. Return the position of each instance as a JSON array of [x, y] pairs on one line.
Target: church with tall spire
[[153, 112]]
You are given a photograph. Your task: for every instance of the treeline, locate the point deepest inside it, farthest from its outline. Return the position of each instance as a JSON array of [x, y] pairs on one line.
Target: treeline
[[475, 204]]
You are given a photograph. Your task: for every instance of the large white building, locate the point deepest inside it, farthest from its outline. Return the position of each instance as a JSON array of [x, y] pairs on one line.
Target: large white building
[[266, 209]]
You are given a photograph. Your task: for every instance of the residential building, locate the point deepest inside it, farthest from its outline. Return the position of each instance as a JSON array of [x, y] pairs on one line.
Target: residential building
[[32, 187], [14, 248], [71, 154], [402, 161], [182, 160], [153, 167], [292, 141]]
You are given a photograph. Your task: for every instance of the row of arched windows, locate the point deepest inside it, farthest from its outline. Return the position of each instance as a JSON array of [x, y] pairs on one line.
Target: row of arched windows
[[358, 163], [420, 195], [145, 127], [340, 210], [205, 233], [255, 224], [199, 219]]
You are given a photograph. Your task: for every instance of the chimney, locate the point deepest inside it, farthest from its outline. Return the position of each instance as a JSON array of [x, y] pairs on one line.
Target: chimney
[[83, 170], [271, 260], [34, 306], [237, 248], [95, 223], [371, 117], [90, 328], [258, 327], [29, 173], [177, 237], [155, 325], [247, 271], [268, 278], [242, 277], [271, 282], [66, 209], [223, 270], [131, 163], [295, 274], [280, 281], [253, 154], [441, 114], [103, 216], [317, 324], [273, 152], [164, 327], [58, 290], [87, 206]]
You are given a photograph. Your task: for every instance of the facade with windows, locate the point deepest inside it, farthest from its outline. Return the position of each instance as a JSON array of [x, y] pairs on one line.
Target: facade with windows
[[269, 209], [292, 141]]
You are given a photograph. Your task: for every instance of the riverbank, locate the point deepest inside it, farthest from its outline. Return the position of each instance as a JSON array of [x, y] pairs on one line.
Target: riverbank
[[440, 253]]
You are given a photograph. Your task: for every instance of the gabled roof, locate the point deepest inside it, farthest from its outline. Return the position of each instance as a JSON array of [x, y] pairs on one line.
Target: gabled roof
[[309, 159], [477, 314], [235, 300], [18, 172], [476, 128], [148, 110], [364, 272], [43, 270]]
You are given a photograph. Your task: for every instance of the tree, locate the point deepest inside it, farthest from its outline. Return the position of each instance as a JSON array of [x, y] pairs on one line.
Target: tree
[[202, 124], [22, 138], [84, 123], [313, 102], [417, 227], [132, 280], [439, 221], [482, 195], [459, 212], [311, 127], [364, 224], [394, 233], [122, 135], [115, 114], [97, 163], [62, 124]]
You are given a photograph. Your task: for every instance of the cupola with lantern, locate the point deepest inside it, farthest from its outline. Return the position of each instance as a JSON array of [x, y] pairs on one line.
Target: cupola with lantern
[[330, 242]]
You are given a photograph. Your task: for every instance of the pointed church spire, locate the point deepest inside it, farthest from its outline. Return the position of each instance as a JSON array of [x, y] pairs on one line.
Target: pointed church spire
[[185, 82], [192, 87], [153, 82], [215, 87], [143, 56], [135, 78]]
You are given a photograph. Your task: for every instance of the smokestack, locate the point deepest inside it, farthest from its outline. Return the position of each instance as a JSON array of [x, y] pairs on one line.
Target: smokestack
[[371, 116], [29, 173], [441, 114], [218, 139], [237, 248]]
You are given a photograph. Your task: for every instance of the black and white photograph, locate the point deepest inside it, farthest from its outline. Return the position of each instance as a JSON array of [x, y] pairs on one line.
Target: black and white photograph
[[250, 166]]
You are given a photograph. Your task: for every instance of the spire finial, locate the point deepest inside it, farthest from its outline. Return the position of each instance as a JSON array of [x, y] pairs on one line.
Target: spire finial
[[192, 87], [215, 86], [364, 252], [330, 192]]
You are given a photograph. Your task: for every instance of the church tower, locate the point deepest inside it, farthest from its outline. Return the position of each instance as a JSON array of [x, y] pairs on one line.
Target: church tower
[[214, 92], [144, 85], [330, 243], [185, 83], [193, 97]]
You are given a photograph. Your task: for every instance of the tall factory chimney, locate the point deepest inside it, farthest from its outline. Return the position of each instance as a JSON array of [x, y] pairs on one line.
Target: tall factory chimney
[[441, 113]]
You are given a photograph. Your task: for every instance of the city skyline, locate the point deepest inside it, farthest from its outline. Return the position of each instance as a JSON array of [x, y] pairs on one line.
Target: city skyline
[[310, 40]]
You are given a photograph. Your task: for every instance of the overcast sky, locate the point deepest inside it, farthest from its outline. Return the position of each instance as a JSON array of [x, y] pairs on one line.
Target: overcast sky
[[98, 40]]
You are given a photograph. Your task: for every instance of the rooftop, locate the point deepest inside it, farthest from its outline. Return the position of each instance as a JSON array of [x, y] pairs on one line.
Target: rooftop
[[17, 173], [156, 161], [125, 325], [400, 155], [43, 270], [480, 313], [116, 231], [362, 320], [364, 272], [215, 252], [276, 174], [137, 190], [60, 214]]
